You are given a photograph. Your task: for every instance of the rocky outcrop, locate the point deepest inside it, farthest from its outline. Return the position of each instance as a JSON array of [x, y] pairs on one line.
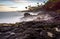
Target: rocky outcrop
[[26, 14], [48, 17], [30, 30]]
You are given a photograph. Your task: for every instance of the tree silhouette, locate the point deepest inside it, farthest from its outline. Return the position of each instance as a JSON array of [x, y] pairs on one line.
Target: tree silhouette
[[26, 7], [44, 2], [38, 4]]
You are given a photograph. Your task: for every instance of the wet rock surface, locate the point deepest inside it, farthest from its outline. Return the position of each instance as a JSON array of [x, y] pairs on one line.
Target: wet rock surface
[[46, 16], [26, 14], [30, 30]]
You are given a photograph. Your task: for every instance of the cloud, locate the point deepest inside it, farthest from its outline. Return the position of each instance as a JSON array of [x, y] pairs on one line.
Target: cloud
[[24, 0], [2, 5], [10, 5], [5, 0], [6, 8], [29, 0]]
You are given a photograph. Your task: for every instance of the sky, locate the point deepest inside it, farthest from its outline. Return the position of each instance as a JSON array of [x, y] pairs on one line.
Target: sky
[[17, 5]]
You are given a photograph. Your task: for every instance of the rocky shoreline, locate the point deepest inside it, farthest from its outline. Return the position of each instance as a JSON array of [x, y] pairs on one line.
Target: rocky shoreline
[[31, 30], [35, 29]]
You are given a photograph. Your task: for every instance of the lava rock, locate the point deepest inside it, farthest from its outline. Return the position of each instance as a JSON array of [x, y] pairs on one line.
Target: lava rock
[[26, 14]]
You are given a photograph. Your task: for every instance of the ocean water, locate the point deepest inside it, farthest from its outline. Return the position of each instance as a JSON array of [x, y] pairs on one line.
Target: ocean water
[[12, 17]]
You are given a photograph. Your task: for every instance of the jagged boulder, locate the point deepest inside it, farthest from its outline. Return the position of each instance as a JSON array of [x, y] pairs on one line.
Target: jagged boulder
[[26, 14]]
